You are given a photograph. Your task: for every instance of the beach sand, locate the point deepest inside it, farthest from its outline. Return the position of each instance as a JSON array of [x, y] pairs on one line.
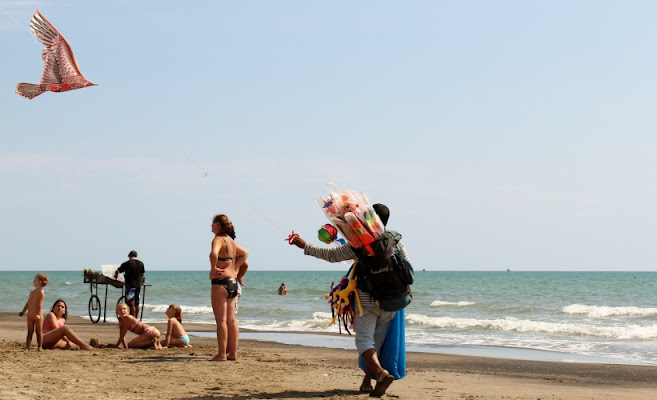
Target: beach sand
[[276, 371]]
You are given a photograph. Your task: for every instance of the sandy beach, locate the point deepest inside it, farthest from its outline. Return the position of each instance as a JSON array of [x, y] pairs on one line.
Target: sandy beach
[[276, 371]]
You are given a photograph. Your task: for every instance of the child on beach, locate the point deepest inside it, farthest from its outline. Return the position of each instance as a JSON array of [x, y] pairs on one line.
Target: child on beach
[[176, 335], [34, 312], [148, 335]]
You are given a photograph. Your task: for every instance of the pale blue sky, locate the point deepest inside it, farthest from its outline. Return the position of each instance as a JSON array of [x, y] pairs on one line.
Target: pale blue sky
[[502, 134]]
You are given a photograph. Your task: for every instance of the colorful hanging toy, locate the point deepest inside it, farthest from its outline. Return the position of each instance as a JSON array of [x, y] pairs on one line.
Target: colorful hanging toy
[[343, 298], [351, 213], [328, 234]]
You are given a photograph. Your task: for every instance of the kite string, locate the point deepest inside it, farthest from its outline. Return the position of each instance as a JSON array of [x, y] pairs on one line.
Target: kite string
[[152, 129], [27, 28], [206, 173]]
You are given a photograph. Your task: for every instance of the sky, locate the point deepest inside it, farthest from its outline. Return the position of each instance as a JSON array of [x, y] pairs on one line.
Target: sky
[[501, 134]]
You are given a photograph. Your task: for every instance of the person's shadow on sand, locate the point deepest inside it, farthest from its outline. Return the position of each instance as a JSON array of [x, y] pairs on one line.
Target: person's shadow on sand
[[166, 358], [286, 394]]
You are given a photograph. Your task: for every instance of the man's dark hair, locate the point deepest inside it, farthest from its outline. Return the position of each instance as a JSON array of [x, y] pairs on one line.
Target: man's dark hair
[[382, 211]]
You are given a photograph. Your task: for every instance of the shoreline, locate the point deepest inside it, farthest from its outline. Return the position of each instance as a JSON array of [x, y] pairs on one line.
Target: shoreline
[[337, 341], [289, 371]]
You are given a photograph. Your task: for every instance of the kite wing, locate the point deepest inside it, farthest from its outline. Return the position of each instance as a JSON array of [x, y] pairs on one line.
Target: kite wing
[[60, 71], [60, 64]]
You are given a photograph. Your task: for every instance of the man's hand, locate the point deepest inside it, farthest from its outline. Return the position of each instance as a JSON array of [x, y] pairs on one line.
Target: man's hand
[[297, 241]]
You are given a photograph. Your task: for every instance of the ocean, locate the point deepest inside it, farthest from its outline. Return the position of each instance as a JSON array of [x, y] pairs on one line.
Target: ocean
[[606, 317]]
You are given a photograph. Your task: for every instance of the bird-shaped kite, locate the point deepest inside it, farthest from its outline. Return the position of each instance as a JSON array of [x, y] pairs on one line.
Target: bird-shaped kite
[[60, 71]]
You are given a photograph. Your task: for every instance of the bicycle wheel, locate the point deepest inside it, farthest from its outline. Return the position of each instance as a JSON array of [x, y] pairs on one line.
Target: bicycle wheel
[[94, 309]]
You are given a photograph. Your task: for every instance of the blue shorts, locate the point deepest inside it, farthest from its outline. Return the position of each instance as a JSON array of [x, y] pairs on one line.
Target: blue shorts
[[132, 296]]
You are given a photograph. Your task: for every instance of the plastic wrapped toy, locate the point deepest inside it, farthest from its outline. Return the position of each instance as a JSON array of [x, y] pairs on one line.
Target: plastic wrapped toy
[[351, 213]]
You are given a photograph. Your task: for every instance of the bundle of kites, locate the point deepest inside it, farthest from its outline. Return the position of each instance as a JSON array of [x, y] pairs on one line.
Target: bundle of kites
[[350, 213]]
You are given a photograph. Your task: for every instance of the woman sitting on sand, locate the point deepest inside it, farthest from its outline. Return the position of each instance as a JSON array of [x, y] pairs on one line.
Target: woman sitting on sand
[[56, 335], [226, 258]]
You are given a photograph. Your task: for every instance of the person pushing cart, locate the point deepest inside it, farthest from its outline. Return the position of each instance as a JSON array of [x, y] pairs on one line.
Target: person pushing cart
[[134, 277]]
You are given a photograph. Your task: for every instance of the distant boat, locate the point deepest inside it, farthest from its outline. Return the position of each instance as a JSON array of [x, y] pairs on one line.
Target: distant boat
[[423, 269], [508, 270]]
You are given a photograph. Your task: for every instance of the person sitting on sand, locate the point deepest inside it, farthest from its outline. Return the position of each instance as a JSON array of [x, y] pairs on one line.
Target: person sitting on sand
[[33, 306], [176, 335], [282, 290], [148, 335], [56, 335]]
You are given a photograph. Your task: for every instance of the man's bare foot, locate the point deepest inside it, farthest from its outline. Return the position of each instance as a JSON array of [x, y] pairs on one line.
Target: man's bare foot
[[217, 358], [365, 388], [366, 385], [382, 382]]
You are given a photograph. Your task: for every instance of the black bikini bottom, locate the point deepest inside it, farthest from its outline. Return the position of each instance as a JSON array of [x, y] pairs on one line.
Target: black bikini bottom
[[230, 284]]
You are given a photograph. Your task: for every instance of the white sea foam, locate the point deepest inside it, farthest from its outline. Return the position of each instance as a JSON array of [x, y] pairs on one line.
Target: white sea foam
[[69, 283], [439, 303], [604, 311], [319, 323], [529, 326], [161, 308]]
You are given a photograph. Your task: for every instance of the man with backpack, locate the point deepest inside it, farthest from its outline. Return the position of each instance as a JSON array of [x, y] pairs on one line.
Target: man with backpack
[[372, 327]]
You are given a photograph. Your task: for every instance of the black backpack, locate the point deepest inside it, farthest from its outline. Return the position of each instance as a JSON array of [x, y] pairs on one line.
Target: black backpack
[[386, 275]]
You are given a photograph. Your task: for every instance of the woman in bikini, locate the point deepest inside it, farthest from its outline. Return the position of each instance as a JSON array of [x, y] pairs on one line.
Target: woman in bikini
[[56, 335], [147, 335], [226, 258]]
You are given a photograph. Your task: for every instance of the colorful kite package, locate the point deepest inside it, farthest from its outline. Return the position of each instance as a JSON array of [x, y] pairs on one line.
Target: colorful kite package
[[351, 213]]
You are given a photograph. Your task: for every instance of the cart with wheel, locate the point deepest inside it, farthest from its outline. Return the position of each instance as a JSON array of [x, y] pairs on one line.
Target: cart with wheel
[[94, 279]]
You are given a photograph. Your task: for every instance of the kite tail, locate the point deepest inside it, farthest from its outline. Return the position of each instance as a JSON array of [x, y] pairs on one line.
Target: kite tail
[[29, 90]]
